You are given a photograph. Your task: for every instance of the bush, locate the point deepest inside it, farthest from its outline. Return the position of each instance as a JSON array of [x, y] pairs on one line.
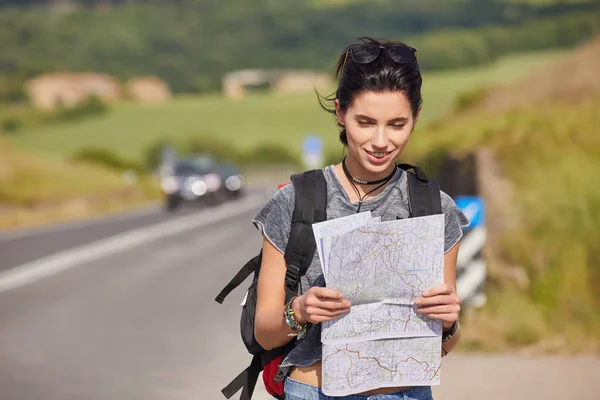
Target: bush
[[469, 99], [264, 154], [215, 148], [153, 154], [270, 154], [90, 107], [455, 48], [106, 158], [11, 89], [11, 125]]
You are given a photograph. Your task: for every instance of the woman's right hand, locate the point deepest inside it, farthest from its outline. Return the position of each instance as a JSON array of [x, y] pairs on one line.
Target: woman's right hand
[[319, 305]]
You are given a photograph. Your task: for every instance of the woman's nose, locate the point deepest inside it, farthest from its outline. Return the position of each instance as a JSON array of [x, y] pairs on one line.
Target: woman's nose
[[380, 139]]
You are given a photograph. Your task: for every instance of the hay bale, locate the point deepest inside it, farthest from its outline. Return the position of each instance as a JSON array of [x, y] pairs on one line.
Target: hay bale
[[298, 82], [148, 89], [52, 90]]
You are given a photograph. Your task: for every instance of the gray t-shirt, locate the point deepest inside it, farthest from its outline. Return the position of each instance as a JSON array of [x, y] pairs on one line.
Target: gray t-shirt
[[274, 221]]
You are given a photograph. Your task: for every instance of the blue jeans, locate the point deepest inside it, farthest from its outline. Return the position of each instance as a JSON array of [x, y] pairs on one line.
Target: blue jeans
[[295, 390]]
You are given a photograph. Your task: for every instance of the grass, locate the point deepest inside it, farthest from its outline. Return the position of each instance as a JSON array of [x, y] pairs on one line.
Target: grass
[[262, 118], [33, 191]]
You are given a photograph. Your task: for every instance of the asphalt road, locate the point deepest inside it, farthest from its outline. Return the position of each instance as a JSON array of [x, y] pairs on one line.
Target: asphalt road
[[20, 246], [139, 321]]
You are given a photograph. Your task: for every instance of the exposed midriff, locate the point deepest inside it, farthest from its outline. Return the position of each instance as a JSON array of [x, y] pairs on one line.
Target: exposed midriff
[[312, 376]]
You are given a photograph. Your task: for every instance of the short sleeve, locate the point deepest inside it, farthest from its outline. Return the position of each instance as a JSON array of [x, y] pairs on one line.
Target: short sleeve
[[274, 220], [455, 222]]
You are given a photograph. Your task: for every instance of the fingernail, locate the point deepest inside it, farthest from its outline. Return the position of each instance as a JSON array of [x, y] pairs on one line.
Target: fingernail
[[426, 293], [418, 301]]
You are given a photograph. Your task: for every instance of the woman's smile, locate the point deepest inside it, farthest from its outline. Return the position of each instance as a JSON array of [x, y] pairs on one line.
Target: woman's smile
[[378, 158]]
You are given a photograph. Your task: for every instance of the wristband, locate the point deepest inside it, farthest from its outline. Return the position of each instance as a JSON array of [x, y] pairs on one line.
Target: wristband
[[290, 319], [448, 335]]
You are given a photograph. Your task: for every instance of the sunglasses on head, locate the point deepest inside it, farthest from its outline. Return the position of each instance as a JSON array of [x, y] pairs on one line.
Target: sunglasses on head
[[367, 53]]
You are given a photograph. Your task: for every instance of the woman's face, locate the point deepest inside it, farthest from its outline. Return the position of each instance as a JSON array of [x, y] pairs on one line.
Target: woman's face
[[378, 126]]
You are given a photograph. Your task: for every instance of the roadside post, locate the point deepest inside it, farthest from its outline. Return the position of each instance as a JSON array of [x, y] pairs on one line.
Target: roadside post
[[168, 157], [471, 266], [312, 152]]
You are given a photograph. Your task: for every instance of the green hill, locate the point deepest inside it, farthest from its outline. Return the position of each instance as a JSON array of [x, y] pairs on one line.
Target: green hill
[[543, 135]]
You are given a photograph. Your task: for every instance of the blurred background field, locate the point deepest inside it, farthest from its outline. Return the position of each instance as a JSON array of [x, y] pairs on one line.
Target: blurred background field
[[263, 130], [261, 119], [514, 83]]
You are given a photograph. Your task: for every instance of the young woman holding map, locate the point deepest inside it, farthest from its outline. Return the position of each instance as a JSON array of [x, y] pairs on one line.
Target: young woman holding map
[[377, 106]]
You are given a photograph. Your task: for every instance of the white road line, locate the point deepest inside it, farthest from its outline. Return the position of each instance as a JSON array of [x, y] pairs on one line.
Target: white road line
[[120, 216], [79, 256]]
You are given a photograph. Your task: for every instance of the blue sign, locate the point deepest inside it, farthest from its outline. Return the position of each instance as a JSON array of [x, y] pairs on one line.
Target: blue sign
[[312, 144], [312, 151], [474, 209]]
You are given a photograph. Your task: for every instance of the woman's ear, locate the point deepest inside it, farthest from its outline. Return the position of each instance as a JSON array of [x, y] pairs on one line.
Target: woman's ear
[[338, 112], [416, 118]]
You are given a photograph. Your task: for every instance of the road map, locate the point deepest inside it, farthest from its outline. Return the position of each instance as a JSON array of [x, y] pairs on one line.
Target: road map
[[359, 367], [380, 267], [323, 231], [378, 321]]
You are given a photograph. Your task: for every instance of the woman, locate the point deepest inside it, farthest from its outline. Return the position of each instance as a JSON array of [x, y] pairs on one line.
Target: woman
[[377, 106]]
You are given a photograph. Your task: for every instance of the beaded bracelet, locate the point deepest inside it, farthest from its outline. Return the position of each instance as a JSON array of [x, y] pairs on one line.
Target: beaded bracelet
[[290, 319]]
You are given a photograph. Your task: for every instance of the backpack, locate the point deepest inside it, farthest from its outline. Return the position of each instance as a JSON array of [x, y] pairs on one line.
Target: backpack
[[310, 207]]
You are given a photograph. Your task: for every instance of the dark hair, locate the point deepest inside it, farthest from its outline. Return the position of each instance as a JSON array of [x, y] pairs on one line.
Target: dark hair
[[381, 75]]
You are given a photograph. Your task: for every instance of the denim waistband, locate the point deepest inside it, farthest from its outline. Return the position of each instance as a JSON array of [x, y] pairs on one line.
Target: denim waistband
[[295, 390]]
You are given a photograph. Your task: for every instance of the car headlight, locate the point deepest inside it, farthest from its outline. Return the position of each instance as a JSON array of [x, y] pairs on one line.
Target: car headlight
[[169, 184], [196, 185], [234, 183], [213, 182], [199, 188]]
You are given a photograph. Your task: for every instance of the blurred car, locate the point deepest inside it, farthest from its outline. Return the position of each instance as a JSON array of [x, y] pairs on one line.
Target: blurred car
[[233, 180], [201, 180]]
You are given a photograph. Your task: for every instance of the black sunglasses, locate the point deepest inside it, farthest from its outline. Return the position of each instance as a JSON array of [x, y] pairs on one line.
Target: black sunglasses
[[367, 53]]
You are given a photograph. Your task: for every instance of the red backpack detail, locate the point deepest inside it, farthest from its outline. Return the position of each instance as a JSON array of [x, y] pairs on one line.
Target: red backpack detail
[[269, 373]]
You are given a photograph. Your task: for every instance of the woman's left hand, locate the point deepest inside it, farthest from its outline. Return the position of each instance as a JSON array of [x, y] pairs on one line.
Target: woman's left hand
[[440, 303]]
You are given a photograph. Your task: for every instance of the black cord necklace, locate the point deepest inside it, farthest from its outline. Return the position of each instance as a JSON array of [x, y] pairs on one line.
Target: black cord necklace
[[352, 180]]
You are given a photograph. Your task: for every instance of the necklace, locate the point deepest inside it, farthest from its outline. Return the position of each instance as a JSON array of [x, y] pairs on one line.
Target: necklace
[[360, 181], [352, 180]]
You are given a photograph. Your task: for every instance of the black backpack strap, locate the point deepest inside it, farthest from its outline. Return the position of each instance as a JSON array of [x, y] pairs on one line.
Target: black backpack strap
[[424, 194], [239, 278], [245, 381], [310, 207]]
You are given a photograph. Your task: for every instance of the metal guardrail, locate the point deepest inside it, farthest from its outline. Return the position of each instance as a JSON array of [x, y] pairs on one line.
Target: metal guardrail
[[471, 269]]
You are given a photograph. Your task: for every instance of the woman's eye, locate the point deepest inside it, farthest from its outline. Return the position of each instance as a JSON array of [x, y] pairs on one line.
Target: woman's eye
[[364, 123], [401, 126]]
